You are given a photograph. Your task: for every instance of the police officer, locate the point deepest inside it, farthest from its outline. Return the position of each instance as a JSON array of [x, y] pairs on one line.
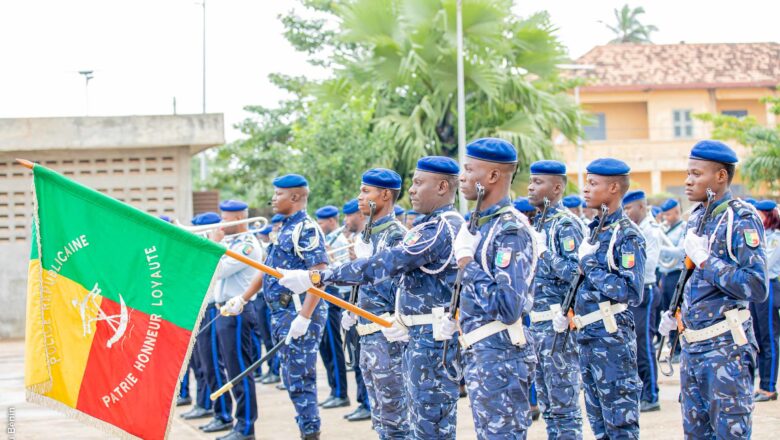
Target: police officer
[[522, 205], [718, 344], [332, 346], [670, 263], [381, 360], [411, 215], [574, 204], [613, 269], [235, 332], [635, 207], [766, 316], [558, 383], [296, 317], [425, 261], [498, 263]]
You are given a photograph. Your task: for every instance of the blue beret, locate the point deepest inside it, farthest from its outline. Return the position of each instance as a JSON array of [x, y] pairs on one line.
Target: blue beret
[[206, 218], [398, 210], [382, 178], [751, 201], [492, 150], [290, 181], [766, 205], [655, 210], [633, 196], [412, 212], [467, 217], [166, 218], [550, 167], [668, 204], [232, 206], [713, 151], [608, 167], [266, 230], [584, 204], [438, 164], [328, 211], [522, 204], [277, 218], [572, 201], [350, 207]]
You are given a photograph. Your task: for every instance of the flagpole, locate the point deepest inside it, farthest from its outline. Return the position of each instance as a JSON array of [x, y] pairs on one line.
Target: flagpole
[[462, 203], [275, 273]]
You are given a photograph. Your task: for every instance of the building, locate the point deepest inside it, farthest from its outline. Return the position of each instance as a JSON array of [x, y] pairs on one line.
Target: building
[[643, 98], [140, 160]]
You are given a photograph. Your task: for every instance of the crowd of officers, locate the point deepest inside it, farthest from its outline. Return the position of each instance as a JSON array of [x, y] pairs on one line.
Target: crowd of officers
[[554, 295]]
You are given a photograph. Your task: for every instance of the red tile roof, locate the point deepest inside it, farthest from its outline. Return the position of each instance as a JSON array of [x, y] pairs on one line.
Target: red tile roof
[[680, 66]]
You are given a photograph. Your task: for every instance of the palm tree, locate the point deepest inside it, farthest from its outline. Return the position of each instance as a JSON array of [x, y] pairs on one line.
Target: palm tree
[[628, 28]]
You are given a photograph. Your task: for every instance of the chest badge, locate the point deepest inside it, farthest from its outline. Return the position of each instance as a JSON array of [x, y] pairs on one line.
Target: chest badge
[[411, 238], [627, 260], [568, 244], [503, 257], [247, 249], [752, 238]]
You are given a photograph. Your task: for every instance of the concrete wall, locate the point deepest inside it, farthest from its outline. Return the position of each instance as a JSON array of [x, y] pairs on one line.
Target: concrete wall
[[623, 120]]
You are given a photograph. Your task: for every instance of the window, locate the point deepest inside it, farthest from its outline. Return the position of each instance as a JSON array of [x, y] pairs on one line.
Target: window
[[735, 113], [683, 124], [597, 130]]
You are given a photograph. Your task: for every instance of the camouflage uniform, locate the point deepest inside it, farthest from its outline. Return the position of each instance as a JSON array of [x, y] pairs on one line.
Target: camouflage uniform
[[500, 367], [425, 262], [299, 358], [613, 274], [715, 373], [558, 383]]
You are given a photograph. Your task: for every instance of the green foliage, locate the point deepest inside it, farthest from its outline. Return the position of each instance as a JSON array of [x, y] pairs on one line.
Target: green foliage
[[628, 28], [763, 164]]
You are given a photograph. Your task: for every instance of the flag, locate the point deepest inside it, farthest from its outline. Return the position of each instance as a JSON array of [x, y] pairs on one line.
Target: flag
[[112, 300]]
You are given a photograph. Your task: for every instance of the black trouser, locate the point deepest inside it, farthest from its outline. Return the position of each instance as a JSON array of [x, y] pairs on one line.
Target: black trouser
[[263, 314], [212, 366], [644, 322], [766, 325], [332, 352]]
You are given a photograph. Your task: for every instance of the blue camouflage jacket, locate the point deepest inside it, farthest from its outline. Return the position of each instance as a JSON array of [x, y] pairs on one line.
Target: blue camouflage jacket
[[615, 273], [732, 276], [557, 268]]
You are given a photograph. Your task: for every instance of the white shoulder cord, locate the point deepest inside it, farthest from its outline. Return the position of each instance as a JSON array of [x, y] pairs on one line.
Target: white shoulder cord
[[451, 232], [729, 215], [296, 237], [489, 241]]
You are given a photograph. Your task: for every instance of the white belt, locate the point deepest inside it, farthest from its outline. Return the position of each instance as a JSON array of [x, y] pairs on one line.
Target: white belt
[[733, 323], [515, 331], [546, 316], [369, 329], [296, 297], [606, 313], [413, 320]]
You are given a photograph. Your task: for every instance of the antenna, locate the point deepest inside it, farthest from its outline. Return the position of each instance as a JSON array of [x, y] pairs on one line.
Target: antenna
[[88, 75]]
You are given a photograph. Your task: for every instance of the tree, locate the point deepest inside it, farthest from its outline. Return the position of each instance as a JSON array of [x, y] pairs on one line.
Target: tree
[[628, 28], [762, 166]]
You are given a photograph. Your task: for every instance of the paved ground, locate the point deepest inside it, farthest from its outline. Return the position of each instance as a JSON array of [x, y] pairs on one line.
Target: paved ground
[[276, 413]]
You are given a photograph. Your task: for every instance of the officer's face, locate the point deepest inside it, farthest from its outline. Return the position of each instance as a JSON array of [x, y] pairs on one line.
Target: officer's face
[[596, 191], [371, 193], [636, 211], [540, 187], [424, 192], [672, 216], [474, 171], [703, 174], [282, 202], [328, 225], [355, 222], [231, 217]]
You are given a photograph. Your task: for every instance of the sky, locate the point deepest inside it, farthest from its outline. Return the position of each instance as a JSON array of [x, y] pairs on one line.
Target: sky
[[145, 53]]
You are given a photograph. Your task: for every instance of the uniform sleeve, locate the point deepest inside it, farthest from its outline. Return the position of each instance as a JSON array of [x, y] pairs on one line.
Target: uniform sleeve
[[669, 252], [504, 296], [229, 266], [746, 278], [627, 284], [564, 264], [317, 255], [653, 247]]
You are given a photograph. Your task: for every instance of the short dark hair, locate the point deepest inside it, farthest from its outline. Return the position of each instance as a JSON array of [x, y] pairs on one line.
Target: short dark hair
[[395, 193], [623, 181], [730, 170]]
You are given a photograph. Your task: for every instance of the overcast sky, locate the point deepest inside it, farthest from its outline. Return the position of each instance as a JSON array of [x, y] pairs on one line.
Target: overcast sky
[[146, 52]]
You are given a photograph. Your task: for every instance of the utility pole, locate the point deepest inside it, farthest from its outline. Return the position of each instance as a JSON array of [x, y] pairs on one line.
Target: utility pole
[[462, 204], [88, 75]]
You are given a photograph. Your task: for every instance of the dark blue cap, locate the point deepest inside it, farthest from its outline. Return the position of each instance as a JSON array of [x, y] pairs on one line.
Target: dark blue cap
[[608, 167], [766, 205], [548, 167], [522, 204], [166, 218], [290, 181], [584, 204], [232, 206], [382, 178], [572, 201], [713, 151], [655, 210], [751, 201], [328, 211], [438, 164], [398, 210], [277, 218], [266, 230], [467, 217], [669, 204], [492, 150], [350, 207], [206, 218], [633, 196]]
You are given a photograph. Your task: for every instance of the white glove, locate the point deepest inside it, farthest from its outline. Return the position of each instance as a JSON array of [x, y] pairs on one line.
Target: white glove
[[396, 333], [541, 242], [447, 327], [465, 243], [233, 307], [298, 328], [298, 281], [347, 320], [560, 322], [362, 249], [668, 323], [587, 249], [696, 247]]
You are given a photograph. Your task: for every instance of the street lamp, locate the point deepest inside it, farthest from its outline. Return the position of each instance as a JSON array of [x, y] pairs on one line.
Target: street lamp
[[579, 147]]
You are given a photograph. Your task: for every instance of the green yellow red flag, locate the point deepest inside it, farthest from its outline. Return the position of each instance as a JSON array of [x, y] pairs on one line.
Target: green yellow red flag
[[113, 297]]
